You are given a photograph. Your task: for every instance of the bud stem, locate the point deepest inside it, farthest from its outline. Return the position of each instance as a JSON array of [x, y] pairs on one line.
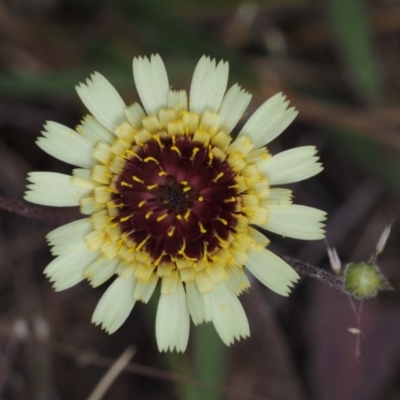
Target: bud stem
[[316, 273]]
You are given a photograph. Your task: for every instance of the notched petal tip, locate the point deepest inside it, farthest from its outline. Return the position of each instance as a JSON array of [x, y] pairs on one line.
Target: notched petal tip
[[151, 80], [166, 348], [269, 120], [103, 326], [26, 195], [205, 57], [102, 100], [208, 85]]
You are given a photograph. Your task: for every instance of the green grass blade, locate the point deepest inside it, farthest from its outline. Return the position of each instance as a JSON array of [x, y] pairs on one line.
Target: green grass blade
[[353, 29], [210, 360]]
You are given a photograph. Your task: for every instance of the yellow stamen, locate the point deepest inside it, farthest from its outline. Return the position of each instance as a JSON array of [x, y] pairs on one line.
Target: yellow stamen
[[202, 230], [210, 155], [161, 217], [113, 204], [171, 231], [194, 152], [140, 245], [205, 257], [176, 149], [186, 216], [219, 176], [147, 159], [112, 190], [157, 139], [222, 242], [126, 184], [181, 251], [151, 187], [121, 241], [147, 216], [132, 153], [136, 179], [159, 258]]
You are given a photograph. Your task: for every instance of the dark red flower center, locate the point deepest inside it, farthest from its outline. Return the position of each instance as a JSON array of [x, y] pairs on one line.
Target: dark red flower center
[[176, 199]]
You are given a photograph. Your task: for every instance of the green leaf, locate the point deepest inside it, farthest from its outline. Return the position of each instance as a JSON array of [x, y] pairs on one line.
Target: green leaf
[[353, 29]]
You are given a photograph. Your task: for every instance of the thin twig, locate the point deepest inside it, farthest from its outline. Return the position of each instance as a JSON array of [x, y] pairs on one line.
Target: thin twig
[[316, 273], [358, 351], [357, 313], [33, 211], [112, 374]]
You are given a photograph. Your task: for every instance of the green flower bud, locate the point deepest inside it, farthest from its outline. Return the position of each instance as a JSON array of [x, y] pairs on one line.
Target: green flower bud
[[363, 280]]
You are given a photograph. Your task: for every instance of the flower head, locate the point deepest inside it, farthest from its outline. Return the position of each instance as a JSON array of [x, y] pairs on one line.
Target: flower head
[[171, 197]]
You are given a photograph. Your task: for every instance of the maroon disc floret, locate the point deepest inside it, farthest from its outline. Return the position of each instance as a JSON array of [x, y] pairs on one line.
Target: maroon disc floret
[[176, 199]]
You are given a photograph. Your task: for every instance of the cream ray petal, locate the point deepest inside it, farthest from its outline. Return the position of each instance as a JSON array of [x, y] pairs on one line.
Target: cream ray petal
[[54, 189], [271, 270], [237, 280], [67, 270], [277, 197], [91, 129], [145, 289], [66, 145], [100, 270], [269, 121], [233, 106], [151, 82], [290, 166], [196, 304], [65, 238], [172, 321], [227, 314], [102, 100], [296, 221], [208, 85], [135, 114], [177, 100], [115, 305]]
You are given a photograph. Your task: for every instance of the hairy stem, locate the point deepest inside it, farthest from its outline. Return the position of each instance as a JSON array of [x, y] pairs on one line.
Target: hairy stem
[[33, 211], [316, 273]]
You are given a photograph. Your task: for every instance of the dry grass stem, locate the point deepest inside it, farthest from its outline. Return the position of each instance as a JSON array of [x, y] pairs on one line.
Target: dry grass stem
[[112, 374]]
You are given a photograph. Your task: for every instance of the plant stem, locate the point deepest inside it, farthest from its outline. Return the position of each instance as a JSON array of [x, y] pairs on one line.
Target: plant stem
[[33, 211], [316, 273]]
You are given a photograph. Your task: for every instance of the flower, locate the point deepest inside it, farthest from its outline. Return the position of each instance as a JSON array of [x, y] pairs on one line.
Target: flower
[[171, 197]]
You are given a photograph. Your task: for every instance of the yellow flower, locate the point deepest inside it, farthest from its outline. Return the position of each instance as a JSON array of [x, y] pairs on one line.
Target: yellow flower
[[171, 197]]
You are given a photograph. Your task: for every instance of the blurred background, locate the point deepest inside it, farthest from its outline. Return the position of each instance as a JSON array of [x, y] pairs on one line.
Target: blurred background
[[338, 61]]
